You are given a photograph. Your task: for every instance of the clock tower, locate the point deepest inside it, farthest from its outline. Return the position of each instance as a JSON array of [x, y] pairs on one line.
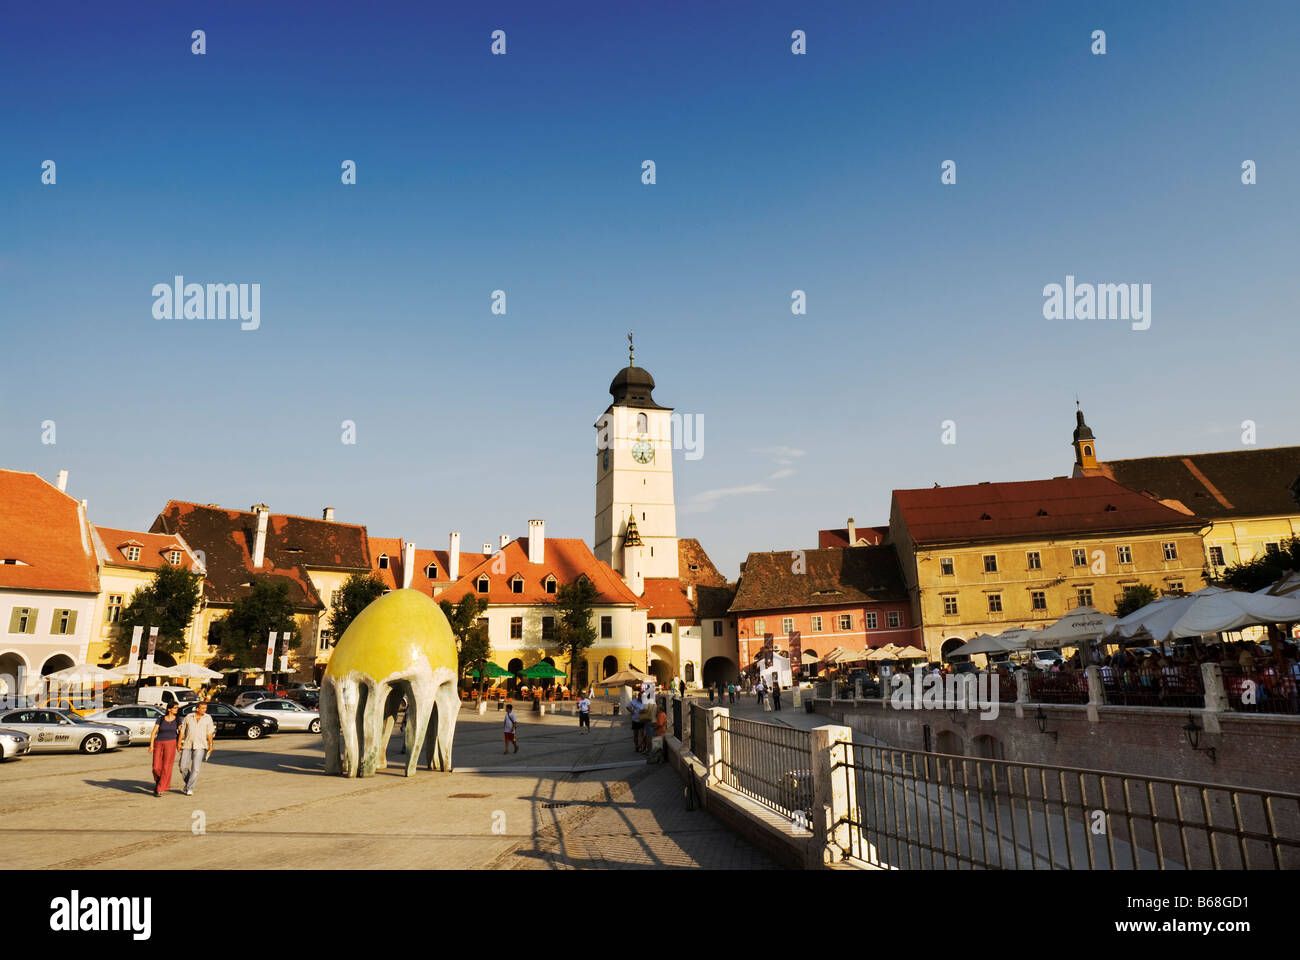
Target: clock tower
[[634, 476]]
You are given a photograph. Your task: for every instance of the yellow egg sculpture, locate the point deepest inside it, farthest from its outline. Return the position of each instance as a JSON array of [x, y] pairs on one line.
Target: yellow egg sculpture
[[398, 648]]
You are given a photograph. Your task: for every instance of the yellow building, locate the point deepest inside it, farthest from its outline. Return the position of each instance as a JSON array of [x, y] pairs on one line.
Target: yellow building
[[987, 557], [127, 562], [1245, 496]]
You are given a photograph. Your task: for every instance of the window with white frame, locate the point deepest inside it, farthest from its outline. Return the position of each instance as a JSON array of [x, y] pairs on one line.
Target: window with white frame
[[174, 558], [760, 627], [1080, 556], [1171, 550], [516, 584], [383, 561], [1038, 599], [995, 603], [1216, 556], [871, 620], [1034, 560], [133, 554], [550, 584], [1124, 554], [1084, 596], [481, 585], [892, 618], [113, 611], [950, 606], [787, 625], [990, 563], [817, 623], [846, 621], [946, 567]]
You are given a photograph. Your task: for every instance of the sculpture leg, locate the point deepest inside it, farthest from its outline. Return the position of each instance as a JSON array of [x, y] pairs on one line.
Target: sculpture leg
[[347, 695], [448, 700], [419, 707], [372, 714], [329, 725], [391, 706]]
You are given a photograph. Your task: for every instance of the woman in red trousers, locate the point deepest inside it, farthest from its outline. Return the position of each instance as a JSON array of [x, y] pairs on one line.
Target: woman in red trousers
[[162, 748]]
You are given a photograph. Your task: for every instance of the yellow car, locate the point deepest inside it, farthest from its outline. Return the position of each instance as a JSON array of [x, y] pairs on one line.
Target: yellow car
[[77, 703]]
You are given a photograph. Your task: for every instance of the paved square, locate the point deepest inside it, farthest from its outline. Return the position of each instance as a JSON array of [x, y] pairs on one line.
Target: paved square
[[267, 804]]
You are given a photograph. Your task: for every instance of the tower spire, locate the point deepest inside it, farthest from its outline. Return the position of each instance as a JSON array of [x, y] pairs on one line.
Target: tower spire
[[631, 355]]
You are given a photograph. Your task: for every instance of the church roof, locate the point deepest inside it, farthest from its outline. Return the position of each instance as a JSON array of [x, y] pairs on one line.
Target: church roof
[[632, 387], [1234, 483]]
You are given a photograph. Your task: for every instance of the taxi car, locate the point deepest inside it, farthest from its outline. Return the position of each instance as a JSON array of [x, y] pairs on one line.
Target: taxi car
[[138, 718], [54, 730]]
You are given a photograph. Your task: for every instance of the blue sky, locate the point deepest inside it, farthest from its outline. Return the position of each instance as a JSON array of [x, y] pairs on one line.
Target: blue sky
[[522, 172]]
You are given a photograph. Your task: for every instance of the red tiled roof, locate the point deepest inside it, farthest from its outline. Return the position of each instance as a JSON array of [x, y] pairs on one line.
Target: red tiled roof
[[1233, 483], [825, 578], [392, 576], [667, 595], [44, 530], [827, 539], [566, 559], [154, 548], [293, 544], [1030, 508]]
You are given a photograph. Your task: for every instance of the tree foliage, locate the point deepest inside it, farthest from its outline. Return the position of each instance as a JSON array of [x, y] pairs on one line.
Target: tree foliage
[[168, 603], [1135, 598], [1265, 570], [574, 631], [242, 634], [473, 646], [358, 592]]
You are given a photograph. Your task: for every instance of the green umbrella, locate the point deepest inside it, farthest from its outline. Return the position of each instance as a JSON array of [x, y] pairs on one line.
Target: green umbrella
[[493, 671], [543, 671]]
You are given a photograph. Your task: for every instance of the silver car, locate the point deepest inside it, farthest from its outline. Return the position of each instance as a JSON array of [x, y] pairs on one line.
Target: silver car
[[138, 718], [53, 730], [291, 716], [13, 743]]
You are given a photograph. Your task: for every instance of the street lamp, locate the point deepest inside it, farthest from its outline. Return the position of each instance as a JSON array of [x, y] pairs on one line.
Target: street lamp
[[1041, 717], [1193, 734]]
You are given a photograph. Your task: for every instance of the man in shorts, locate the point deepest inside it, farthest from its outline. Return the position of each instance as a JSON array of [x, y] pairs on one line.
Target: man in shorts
[[584, 714], [510, 728]]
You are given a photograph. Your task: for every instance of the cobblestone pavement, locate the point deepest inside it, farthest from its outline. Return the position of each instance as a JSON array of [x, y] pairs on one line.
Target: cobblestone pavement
[[267, 804]]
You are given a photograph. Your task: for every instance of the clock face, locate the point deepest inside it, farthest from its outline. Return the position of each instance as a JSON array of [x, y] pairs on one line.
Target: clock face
[[643, 451]]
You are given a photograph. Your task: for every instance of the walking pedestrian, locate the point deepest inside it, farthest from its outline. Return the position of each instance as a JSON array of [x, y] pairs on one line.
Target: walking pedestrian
[[510, 728], [710, 693], [162, 749], [758, 694], [196, 735], [584, 715], [634, 711], [731, 693], [683, 688], [776, 694], [658, 753]]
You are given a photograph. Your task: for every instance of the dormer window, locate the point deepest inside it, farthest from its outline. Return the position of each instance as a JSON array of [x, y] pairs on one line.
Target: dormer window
[[1041, 512], [985, 516], [550, 583], [431, 571], [481, 584], [516, 584], [174, 558], [383, 561], [133, 554], [1110, 507]]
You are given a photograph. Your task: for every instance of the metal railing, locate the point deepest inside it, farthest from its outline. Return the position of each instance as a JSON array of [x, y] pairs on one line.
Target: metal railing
[[915, 810], [1067, 686], [768, 763], [1265, 690], [699, 730], [1177, 685]]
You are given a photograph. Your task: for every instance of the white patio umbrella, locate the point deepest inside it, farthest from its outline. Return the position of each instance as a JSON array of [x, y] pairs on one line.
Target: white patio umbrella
[[129, 671], [986, 643], [1022, 638], [1077, 626], [195, 671], [82, 673], [1208, 610]]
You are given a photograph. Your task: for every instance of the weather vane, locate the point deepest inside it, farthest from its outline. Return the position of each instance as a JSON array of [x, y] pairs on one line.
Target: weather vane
[[631, 356]]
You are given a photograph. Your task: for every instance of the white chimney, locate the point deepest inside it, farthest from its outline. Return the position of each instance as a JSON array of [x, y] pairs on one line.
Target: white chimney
[[259, 545], [453, 557], [328, 513], [536, 541], [853, 533], [408, 564], [63, 481], [690, 592], [632, 575], [504, 538], [487, 549]]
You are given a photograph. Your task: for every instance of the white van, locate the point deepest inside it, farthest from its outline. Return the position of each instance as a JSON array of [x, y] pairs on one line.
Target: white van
[[162, 696]]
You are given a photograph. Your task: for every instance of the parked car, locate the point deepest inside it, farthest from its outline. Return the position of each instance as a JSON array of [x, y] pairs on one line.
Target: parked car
[[138, 718], [52, 730], [309, 698], [1045, 659], [13, 743], [290, 715], [129, 693], [231, 722], [249, 697]]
